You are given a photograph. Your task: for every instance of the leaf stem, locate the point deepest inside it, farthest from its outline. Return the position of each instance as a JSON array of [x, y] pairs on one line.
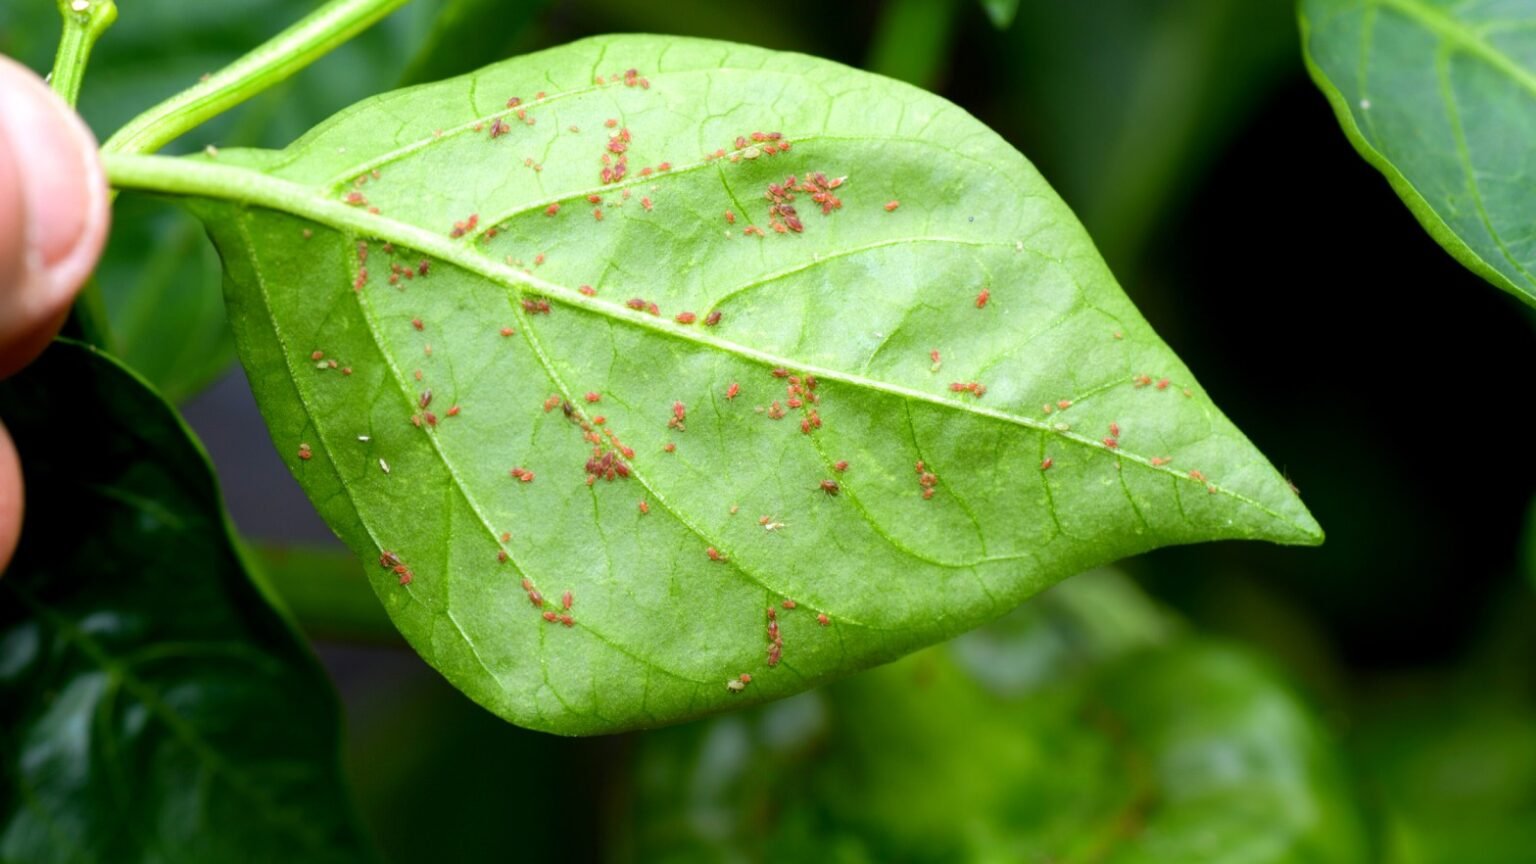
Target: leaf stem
[[84, 22], [268, 64]]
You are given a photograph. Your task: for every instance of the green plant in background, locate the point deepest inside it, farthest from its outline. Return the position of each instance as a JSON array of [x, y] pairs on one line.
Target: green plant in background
[[651, 378]]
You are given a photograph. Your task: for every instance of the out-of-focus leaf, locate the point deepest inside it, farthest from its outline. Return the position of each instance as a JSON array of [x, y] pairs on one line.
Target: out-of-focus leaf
[[1440, 97], [155, 707], [161, 282], [911, 41], [326, 590], [1179, 751], [1124, 103], [885, 324], [160, 278], [1001, 12], [1456, 771], [468, 34]]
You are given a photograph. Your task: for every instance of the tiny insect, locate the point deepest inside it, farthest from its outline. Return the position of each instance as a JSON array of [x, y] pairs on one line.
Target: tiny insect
[[830, 487]]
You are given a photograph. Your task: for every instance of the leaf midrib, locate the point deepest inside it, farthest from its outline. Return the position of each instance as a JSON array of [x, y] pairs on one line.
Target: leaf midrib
[[181, 176]]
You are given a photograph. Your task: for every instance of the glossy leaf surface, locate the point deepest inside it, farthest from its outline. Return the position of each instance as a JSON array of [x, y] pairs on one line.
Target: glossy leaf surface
[[1127, 746], [521, 380], [1440, 97], [155, 707]]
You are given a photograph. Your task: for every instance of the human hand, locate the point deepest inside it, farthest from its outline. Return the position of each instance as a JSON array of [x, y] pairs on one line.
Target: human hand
[[53, 224]]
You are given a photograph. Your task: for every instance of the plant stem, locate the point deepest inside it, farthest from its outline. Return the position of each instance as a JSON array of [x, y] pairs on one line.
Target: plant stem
[[270, 63], [84, 22]]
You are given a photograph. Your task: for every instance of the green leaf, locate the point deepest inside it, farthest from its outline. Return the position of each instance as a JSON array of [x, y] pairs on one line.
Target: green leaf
[[155, 706], [162, 297], [1180, 751], [1001, 12], [906, 555], [1440, 97], [159, 276]]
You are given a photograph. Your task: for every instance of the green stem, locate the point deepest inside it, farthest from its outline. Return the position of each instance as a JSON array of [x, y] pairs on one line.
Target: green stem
[[84, 22], [271, 63]]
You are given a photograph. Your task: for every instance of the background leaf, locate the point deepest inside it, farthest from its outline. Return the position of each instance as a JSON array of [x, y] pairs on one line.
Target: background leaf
[[155, 707], [1144, 746], [1441, 98], [1021, 495], [1170, 85], [1001, 12], [160, 279]]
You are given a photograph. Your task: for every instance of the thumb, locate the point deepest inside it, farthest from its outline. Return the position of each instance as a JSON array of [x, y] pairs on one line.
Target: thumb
[[53, 212]]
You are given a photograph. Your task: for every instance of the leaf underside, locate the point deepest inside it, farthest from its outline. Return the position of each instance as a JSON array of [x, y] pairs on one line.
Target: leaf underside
[[154, 706], [1441, 98], [930, 313]]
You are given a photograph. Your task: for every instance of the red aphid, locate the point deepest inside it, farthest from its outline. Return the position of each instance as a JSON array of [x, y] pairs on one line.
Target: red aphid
[[982, 298]]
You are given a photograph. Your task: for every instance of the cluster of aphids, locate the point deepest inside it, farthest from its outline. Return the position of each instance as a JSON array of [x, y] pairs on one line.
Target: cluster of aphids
[[926, 480], [616, 160], [608, 452], [775, 640], [630, 78], [753, 146], [537, 599], [782, 215], [390, 561]]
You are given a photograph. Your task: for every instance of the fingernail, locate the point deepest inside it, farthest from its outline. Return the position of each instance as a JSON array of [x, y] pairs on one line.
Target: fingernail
[[62, 188]]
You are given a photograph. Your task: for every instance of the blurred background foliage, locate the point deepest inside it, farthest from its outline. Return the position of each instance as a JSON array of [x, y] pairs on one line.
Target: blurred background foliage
[[1369, 700]]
